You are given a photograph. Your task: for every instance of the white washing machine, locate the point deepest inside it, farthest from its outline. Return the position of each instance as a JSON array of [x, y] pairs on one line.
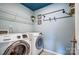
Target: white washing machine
[[15, 44], [37, 43]]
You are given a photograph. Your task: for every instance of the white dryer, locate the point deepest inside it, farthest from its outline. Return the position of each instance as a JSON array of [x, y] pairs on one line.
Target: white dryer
[[37, 43], [15, 44]]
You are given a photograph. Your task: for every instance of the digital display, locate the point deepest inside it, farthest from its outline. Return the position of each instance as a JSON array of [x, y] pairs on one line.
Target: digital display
[[24, 36]]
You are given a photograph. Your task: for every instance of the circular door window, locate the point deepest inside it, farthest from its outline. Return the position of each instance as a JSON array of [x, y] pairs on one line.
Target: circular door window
[[18, 48], [39, 43]]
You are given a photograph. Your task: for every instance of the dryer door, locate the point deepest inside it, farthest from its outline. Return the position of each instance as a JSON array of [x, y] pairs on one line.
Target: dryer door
[[39, 43], [18, 48]]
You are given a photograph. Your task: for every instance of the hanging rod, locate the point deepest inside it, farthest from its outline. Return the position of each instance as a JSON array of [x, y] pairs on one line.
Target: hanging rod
[[63, 17], [53, 12], [63, 11], [56, 18]]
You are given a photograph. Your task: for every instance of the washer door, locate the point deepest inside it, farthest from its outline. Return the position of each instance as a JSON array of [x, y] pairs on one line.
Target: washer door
[[18, 48], [39, 43]]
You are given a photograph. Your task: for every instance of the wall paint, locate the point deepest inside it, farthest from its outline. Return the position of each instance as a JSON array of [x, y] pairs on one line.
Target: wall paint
[[57, 35], [16, 9]]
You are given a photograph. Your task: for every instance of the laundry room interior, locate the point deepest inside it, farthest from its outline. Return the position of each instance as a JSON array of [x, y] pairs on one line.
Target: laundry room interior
[[52, 23]]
